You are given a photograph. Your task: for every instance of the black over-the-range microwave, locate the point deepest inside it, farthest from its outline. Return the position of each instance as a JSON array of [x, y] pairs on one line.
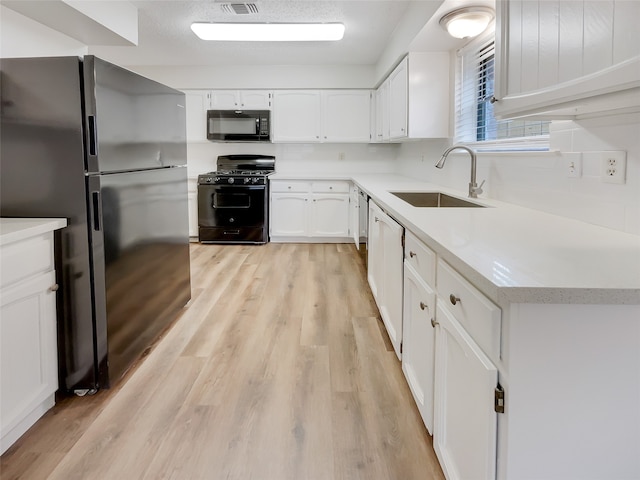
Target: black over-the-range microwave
[[239, 125]]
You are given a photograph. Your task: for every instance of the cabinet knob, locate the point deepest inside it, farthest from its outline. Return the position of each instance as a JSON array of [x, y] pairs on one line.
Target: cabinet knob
[[423, 305], [433, 322], [289, 187], [453, 299], [330, 188], [376, 219], [493, 99], [412, 254], [54, 287]]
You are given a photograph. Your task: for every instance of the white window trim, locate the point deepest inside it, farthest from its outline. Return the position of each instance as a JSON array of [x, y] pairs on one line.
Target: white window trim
[[536, 143]]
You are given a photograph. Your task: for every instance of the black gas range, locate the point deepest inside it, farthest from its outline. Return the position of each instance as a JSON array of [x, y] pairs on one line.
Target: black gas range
[[233, 201]]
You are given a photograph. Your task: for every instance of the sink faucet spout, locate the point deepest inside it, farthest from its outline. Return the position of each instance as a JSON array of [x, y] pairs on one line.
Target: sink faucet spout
[[474, 189]]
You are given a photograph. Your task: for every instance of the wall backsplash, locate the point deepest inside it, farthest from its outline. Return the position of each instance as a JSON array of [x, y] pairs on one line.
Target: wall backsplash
[[300, 158], [540, 180]]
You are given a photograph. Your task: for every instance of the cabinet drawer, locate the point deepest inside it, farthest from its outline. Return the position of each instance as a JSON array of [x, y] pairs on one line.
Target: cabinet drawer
[[25, 258], [290, 186], [330, 187], [421, 258], [476, 313]]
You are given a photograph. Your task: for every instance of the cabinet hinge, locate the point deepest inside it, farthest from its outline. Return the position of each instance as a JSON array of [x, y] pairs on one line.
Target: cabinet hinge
[[402, 241], [498, 404], [401, 344]]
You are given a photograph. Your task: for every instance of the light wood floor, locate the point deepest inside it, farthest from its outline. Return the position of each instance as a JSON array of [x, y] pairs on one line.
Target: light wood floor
[[278, 369]]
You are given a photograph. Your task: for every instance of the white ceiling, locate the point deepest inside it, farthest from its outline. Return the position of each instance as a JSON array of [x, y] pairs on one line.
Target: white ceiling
[[166, 39]]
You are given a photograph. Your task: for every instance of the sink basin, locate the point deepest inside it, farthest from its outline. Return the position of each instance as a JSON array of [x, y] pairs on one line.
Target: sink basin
[[433, 199]]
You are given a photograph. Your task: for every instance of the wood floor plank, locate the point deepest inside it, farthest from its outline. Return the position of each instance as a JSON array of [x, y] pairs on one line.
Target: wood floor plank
[[277, 369]]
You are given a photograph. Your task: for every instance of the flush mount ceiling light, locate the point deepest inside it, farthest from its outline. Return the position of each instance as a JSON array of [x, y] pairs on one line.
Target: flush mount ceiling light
[[467, 22], [269, 32]]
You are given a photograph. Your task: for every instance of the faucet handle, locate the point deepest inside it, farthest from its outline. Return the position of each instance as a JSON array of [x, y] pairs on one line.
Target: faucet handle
[[475, 190]]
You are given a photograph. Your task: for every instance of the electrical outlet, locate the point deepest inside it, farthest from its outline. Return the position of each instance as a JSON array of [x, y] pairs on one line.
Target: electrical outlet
[[614, 167]]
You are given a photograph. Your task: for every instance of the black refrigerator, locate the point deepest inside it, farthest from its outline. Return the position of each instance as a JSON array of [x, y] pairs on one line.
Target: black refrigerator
[[105, 148]]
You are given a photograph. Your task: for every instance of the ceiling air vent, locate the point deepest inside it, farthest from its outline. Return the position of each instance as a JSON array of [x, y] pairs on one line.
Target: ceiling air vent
[[239, 8]]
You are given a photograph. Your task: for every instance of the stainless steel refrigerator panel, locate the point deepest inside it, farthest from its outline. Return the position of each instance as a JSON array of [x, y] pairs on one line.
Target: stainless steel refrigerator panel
[[133, 123], [140, 247], [42, 175]]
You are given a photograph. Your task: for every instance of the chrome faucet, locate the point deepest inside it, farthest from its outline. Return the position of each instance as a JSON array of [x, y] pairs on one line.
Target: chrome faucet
[[474, 189]]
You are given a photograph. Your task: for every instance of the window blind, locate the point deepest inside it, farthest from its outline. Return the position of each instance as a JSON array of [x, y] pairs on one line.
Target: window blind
[[474, 117]]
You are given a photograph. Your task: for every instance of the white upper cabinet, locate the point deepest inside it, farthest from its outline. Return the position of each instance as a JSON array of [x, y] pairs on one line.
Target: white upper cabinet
[[567, 57], [296, 116], [418, 102], [346, 116], [312, 116], [247, 99], [382, 112], [197, 104]]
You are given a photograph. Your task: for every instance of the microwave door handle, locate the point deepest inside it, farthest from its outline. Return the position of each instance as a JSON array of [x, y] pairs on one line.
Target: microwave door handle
[[258, 126]]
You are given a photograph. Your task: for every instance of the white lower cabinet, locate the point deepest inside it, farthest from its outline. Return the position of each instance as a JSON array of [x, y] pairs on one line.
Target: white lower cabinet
[[309, 211], [385, 271], [28, 339], [192, 198], [465, 427], [418, 342]]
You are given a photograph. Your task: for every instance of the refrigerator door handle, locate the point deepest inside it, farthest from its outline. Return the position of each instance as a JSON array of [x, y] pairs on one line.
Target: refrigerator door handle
[[95, 200], [93, 135]]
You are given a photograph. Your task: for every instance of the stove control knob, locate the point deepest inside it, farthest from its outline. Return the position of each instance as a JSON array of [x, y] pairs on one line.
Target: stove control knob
[[216, 180], [256, 180], [247, 180], [231, 180]]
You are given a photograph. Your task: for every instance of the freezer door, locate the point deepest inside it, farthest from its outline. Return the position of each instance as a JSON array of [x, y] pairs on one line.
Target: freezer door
[[132, 123], [140, 249]]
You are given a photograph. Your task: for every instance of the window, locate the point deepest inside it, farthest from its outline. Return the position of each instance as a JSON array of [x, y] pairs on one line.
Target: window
[[475, 121]]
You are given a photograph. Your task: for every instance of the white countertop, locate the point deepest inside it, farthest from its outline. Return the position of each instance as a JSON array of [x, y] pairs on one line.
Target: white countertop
[[514, 254], [15, 229]]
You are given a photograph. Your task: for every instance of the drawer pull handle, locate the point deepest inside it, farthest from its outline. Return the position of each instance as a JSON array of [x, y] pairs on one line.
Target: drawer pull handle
[[433, 322], [423, 305], [453, 299], [54, 287], [412, 254]]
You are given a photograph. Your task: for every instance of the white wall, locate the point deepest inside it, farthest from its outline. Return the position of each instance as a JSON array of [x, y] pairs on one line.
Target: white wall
[[261, 76], [300, 158], [540, 180], [23, 37]]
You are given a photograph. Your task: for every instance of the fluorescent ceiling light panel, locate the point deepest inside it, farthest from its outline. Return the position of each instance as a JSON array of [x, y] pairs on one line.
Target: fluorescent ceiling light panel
[[269, 32]]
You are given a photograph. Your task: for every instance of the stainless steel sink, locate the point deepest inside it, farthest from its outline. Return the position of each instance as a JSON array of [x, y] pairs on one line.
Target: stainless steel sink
[[433, 199]]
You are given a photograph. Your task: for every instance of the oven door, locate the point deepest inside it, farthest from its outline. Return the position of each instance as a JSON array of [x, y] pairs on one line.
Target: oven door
[[232, 213]]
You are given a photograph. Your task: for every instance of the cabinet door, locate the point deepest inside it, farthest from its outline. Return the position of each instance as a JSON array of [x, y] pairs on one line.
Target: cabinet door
[[197, 103], [464, 435], [296, 116], [224, 99], [374, 254], [382, 112], [28, 358], [354, 215], [289, 214], [563, 57], [392, 253], [346, 116], [192, 196], [255, 99], [398, 101], [418, 342], [330, 215]]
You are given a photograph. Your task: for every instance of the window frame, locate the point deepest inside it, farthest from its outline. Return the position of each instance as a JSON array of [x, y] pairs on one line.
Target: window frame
[[471, 109]]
